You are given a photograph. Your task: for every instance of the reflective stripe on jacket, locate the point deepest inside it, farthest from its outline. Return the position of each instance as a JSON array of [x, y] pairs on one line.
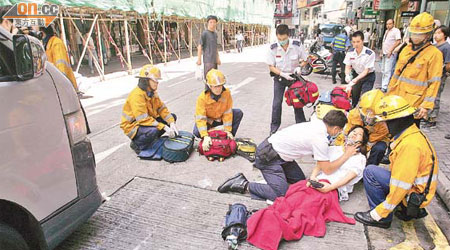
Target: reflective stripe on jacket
[[340, 42], [378, 132], [419, 82], [141, 110], [208, 110], [57, 54], [410, 167]]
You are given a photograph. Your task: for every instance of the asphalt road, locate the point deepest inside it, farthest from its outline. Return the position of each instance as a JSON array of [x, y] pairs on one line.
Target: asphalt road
[[157, 205]]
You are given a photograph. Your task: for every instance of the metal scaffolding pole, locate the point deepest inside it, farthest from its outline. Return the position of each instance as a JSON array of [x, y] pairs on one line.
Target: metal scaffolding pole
[[127, 44]]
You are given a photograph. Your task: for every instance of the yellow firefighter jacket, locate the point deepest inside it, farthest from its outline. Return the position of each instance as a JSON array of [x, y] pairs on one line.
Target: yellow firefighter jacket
[[208, 110], [410, 167], [142, 110], [419, 82], [57, 54]]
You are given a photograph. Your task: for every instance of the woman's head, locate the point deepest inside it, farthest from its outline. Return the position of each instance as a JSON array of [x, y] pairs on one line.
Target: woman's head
[[358, 135]]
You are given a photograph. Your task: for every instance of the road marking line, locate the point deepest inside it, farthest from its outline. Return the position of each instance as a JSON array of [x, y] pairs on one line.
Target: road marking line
[[101, 156], [439, 240], [246, 81], [103, 107], [411, 241], [175, 84]]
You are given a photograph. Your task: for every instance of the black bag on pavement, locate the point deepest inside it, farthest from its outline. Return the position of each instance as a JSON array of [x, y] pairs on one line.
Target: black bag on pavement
[[178, 149], [235, 229]]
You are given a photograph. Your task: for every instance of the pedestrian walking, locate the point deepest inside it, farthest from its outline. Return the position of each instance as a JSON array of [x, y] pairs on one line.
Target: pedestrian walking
[[373, 39], [93, 54], [391, 40], [239, 41], [419, 68], [412, 175], [208, 46], [339, 46], [367, 37], [145, 117], [283, 60], [359, 68], [440, 36]]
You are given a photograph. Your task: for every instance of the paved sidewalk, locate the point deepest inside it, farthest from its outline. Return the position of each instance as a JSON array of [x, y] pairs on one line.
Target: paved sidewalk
[[442, 145]]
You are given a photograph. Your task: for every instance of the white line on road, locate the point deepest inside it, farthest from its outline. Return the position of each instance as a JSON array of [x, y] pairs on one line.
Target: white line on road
[[103, 107], [246, 81], [101, 156], [170, 86]]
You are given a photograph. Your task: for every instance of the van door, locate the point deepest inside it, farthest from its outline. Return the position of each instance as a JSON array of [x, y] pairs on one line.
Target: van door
[[36, 167]]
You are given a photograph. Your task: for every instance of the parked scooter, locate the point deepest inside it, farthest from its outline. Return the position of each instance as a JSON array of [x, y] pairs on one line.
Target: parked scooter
[[320, 61]]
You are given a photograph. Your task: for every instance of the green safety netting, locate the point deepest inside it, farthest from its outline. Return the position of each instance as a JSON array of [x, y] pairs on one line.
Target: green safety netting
[[243, 11]]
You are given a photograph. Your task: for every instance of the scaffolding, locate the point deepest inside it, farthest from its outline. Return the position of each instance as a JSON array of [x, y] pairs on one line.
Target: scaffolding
[[156, 30]]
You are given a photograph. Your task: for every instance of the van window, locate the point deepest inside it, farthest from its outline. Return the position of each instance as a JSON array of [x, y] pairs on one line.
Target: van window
[[6, 62]]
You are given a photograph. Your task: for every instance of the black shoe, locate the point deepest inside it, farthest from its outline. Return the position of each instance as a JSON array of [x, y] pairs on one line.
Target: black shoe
[[334, 82], [385, 159], [237, 184], [447, 137], [135, 147], [366, 219]]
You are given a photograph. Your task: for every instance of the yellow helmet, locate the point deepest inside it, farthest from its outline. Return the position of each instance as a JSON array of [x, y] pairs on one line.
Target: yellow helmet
[[322, 109], [422, 23], [215, 78], [368, 102], [392, 107], [150, 72]]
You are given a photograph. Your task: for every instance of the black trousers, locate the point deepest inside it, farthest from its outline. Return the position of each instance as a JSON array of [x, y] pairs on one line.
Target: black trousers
[[278, 94], [363, 85], [338, 58]]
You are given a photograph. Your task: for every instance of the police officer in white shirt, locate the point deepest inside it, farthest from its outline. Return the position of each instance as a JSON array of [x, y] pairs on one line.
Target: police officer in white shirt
[[275, 156], [360, 68], [284, 59]]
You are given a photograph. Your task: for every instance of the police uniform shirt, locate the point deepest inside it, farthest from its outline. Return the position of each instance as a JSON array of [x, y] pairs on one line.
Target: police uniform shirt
[[288, 60], [365, 60]]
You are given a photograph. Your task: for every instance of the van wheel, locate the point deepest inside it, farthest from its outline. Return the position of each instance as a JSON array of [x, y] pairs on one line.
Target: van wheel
[[10, 239]]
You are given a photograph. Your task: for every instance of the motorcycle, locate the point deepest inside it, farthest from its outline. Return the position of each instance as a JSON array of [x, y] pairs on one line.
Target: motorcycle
[[320, 61]]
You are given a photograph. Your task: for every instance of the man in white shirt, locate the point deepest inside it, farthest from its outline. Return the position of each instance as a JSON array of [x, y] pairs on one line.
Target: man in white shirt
[[239, 41], [392, 38], [359, 68], [367, 37], [283, 60], [276, 156]]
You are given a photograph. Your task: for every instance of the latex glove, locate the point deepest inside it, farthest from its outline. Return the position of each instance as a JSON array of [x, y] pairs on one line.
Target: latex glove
[[173, 127], [286, 76], [169, 131], [348, 88], [348, 78], [298, 71], [206, 143], [230, 135]]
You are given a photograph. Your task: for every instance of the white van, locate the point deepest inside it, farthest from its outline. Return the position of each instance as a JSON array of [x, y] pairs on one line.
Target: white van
[[48, 185]]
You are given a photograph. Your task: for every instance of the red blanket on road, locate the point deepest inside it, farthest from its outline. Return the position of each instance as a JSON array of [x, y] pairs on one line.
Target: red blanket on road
[[302, 211]]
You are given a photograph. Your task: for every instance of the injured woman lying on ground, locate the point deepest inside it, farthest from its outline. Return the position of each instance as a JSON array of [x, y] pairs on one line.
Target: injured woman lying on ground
[[345, 177], [304, 210]]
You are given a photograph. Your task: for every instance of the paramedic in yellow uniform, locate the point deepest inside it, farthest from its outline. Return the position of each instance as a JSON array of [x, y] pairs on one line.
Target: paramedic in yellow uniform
[[145, 117], [413, 165], [364, 115], [419, 82], [214, 109]]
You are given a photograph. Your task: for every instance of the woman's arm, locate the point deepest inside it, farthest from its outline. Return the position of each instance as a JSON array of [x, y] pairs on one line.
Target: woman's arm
[[342, 182]]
